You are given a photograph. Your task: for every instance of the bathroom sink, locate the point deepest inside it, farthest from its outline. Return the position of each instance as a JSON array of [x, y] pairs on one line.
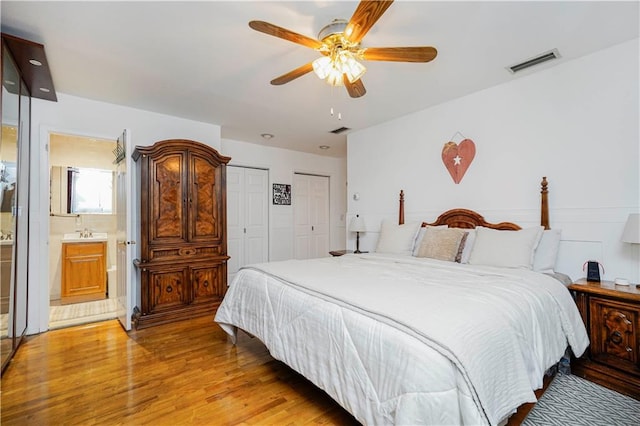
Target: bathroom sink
[[76, 237]]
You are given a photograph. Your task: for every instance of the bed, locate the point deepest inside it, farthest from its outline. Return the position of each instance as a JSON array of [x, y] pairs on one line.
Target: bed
[[400, 337]]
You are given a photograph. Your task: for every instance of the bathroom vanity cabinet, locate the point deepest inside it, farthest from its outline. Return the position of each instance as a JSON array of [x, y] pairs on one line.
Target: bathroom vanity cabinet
[[84, 271]]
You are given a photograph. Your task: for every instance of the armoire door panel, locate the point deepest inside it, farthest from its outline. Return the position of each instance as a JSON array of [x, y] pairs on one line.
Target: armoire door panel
[[207, 283], [203, 199], [167, 288], [169, 198]]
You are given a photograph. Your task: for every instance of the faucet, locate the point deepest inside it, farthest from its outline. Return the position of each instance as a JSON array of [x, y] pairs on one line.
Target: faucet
[[86, 233]]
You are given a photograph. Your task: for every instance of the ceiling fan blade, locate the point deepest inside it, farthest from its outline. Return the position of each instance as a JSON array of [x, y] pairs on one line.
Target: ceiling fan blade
[[365, 16], [400, 54], [292, 75], [276, 31], [355, 89]]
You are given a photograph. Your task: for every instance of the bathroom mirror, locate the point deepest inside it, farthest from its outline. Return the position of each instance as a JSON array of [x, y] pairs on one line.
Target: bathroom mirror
[[79, 190], [82, 175]]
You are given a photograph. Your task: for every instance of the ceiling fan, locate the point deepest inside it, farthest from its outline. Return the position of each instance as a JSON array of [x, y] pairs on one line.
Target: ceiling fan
[[339, 44]]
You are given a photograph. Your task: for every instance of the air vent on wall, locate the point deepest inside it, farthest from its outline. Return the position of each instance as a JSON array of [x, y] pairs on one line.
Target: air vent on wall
[[544, 57], [339, 130]]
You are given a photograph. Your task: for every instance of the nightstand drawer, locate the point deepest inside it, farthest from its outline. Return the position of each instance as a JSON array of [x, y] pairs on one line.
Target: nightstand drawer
[[614, 333], [611, 314]]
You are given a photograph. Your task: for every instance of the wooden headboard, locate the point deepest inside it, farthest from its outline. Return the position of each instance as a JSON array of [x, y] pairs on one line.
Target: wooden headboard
[[463, 218]]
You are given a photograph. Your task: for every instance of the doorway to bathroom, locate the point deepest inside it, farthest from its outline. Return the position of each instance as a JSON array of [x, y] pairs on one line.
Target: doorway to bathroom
[[82, 230]]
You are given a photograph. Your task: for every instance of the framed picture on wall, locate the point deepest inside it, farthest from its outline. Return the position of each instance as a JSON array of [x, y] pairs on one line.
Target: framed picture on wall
[[281, 194]]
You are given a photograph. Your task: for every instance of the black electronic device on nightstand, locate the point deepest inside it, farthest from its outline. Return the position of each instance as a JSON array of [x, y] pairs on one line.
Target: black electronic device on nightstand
[[593, 271]]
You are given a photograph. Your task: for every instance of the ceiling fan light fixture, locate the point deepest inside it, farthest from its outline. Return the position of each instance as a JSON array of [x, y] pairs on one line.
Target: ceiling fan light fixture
[[322, 67], [332, 67], [327, 69], [352, 68], [335, 77]]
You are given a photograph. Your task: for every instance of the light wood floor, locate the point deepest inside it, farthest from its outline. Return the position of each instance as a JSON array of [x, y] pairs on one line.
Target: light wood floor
[[175, 374]]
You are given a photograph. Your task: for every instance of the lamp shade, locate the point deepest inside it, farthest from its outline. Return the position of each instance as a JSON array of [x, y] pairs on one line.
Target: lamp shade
[[631, 233], [322, 66], [357, 224]]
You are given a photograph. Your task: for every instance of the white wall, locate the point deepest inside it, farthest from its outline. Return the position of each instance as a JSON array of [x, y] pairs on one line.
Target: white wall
[[85, 117], [282, 164], [576, 123]]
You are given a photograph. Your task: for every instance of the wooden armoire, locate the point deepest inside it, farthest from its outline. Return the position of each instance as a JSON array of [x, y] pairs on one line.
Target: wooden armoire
[[183, 226]]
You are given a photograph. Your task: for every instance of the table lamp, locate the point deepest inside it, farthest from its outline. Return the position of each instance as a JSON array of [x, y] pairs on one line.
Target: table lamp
[[631, 235], [357, 225]]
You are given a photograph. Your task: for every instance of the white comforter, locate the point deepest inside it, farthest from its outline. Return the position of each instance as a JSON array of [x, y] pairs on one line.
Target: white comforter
[[406, 340]]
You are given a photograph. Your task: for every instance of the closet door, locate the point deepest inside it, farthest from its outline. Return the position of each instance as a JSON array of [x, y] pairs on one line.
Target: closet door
[[235, 219], [247, 217], [256, 196], [311, 216], [319, 211]]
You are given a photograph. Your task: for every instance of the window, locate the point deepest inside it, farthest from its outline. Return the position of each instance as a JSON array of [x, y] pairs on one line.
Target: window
[[90, 191]]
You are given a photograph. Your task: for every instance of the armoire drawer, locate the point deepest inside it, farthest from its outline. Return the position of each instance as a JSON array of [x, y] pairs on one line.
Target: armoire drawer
[[183, 252]]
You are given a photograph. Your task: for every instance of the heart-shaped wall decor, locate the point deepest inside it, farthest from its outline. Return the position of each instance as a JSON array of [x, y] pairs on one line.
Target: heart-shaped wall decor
[[458, 157]]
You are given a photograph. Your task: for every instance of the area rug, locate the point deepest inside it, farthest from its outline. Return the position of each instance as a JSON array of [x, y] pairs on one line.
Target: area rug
[[573, 401], [80, 313]]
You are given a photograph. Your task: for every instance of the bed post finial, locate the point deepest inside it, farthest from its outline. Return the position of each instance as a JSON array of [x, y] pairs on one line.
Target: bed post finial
[[401, 211], [544, 205]]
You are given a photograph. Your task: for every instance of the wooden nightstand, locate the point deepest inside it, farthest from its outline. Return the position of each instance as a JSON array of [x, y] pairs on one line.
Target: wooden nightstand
[[611, 314]]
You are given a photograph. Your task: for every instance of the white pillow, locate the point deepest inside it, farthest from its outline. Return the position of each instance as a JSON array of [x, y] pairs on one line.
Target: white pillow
[[397, 239], [544, 259], [468, 245], [420, 236], [508, 249]]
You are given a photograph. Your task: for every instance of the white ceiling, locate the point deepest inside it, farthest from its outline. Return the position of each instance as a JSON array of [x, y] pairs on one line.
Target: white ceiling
[[200, 60]]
